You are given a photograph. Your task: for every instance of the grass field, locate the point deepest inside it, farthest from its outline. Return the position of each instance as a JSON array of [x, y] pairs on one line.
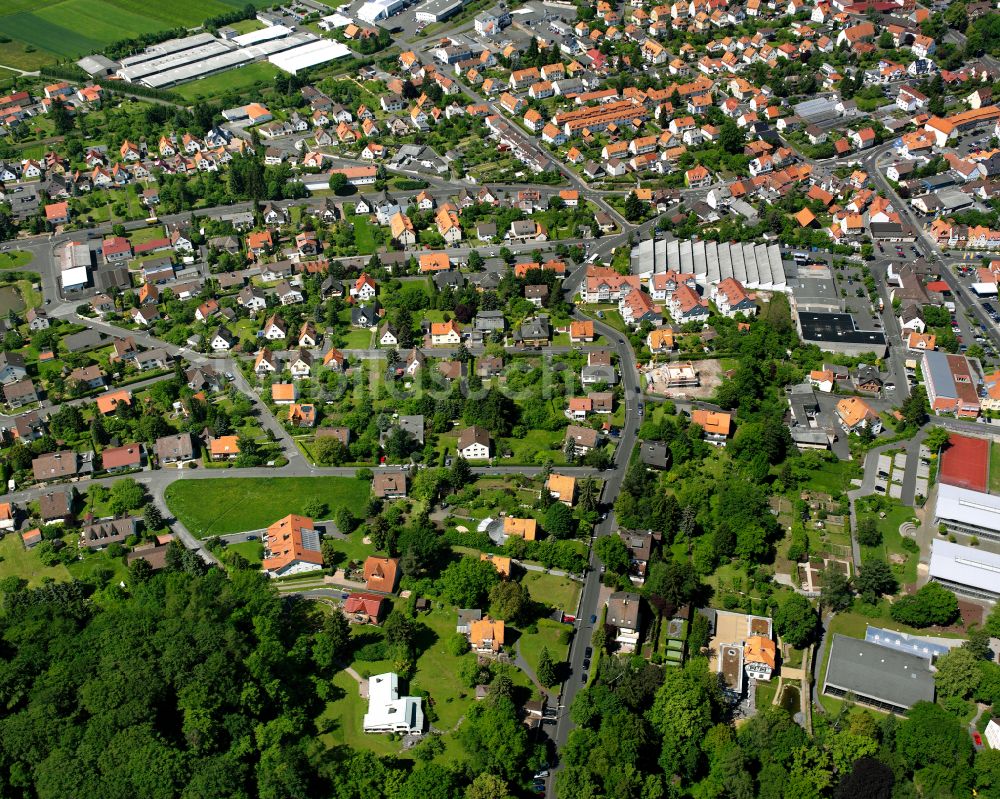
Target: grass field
[[16, 561], [235, 80], [23, 56], [55, 25], [15, 259], [232, 505], [557, 593], [994, 484]]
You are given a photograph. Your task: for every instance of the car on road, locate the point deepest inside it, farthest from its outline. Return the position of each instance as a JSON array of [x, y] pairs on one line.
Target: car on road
[[588, 651], [583, 678], [889, 386], [586, 664], [640, 409], [251, 537], [977, 739], [593, 618], [541, 775], [538, 788]]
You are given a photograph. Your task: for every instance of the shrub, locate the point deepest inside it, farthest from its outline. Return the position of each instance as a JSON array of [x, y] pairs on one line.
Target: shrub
[[369, 653]]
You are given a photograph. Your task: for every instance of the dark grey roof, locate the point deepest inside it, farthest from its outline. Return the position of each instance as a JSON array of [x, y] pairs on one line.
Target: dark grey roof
[[875, 672], [654, 453]]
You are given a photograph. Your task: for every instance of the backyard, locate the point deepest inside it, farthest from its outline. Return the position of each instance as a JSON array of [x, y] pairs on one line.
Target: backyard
[[231, 505], [16, 561]]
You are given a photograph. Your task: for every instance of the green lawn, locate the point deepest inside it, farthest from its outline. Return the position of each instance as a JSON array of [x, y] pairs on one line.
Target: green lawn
[[94, 562], [833, 477], [245, 78], [231, 505], [892, 544], [16, 561], [364, 234], [536, 446], [994, 486], [253, 551], [557, 593], [355, 339], [340, 723], [436, 672], [549, 632], [15, 259]]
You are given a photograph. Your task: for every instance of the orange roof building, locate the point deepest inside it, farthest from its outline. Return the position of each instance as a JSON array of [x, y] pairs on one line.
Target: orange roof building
[[716, 425], [521, 528], [381, 574], [500, 563], [291, 546], [107, 403], [223, 448], [562, 487], [805, 217], [486, 635], [581, 331], [434, 262], [855, 414], [759, 656], [284, 393]]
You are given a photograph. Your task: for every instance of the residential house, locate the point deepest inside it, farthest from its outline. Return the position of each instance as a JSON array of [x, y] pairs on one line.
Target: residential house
[[623, 615], [474, 443], [381, 574], [291, 546]]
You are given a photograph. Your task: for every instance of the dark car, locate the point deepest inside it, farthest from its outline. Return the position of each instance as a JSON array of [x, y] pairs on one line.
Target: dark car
[[583, 677], [593, 619], [588, 652], [586, 664]]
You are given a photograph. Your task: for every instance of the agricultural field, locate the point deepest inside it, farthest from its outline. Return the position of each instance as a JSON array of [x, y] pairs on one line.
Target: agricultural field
[[232, 505], [55, 26]]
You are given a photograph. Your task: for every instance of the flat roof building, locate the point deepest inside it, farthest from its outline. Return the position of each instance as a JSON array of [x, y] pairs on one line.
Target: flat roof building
[[388, 711], [903, 642], [375, 10], [839, 332], [438, 10], [969, 571], [309, 55], [876, 676]]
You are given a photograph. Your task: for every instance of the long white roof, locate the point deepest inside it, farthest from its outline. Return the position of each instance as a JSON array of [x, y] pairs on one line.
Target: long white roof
[[970, 507], [969, 566], [309, 55]]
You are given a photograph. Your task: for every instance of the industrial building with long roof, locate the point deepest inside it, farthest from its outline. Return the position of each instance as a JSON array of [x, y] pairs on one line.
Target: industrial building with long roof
[[755, 266]]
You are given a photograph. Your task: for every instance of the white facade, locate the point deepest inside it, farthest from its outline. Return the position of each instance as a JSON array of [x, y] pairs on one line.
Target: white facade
[[993, 734], [475, 451], [388, 712]]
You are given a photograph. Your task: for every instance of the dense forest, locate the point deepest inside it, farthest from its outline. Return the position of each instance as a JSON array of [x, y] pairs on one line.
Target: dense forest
[[649, 733]]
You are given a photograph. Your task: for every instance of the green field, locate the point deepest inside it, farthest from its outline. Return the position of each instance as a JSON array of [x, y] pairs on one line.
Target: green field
[[56, 25], [15, 259], [994, 486], [16, 561], [233, 504], [241, 79]]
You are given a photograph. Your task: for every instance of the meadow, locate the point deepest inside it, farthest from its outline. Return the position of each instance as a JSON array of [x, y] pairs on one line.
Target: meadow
[[232, 505], [72, 28]]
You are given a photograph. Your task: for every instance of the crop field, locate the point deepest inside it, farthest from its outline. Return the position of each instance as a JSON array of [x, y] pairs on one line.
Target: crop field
[[77, 27]]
